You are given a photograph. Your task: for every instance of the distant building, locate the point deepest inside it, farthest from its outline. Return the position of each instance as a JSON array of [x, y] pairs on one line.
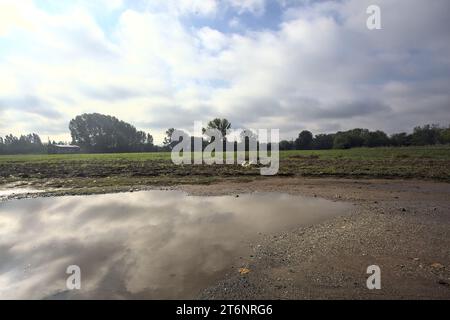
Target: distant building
[[63, 149]]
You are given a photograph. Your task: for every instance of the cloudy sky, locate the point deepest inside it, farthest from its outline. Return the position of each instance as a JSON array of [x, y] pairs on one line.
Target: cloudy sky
[[287, 64]]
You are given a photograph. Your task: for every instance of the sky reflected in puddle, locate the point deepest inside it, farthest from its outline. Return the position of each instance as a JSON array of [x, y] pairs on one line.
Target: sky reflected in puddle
[[14, 191], [146, 245]]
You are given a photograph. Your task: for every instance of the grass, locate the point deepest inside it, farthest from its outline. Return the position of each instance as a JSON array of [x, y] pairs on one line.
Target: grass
[[131, 169], [430, 152], [85, 157]]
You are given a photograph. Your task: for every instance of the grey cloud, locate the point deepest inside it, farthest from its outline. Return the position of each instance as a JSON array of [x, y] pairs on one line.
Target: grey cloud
[[111, 93], [84, 42], [305, 108], [30, 104], [176, 117], [329, 127], [255, 107], [49, 128], [350, 110]]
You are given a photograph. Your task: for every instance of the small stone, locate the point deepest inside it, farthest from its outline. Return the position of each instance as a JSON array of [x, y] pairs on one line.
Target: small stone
[[437, 265], [243, 270], [444, 283]]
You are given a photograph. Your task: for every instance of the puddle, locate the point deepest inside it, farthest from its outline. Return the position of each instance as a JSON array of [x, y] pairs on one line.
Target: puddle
[[146, 245], [16, 191]]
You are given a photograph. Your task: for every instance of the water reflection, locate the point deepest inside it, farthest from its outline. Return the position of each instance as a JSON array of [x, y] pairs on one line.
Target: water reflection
[[151, 245], [4, 192]]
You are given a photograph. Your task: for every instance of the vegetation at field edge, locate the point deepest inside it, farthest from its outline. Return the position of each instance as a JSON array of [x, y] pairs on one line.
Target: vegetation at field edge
[[105, 171]]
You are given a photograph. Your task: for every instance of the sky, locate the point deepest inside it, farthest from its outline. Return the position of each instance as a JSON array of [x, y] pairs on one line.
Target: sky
[[262, 64]]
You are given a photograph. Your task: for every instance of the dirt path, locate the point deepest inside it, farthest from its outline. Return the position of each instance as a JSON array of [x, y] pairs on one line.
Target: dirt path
[[401, 226]]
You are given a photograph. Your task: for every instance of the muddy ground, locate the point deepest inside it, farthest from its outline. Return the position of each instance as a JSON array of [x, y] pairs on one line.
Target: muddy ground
[[403, 226]]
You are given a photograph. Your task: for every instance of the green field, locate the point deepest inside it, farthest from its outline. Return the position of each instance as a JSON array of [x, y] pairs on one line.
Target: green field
[[131, 169], [431, 152]]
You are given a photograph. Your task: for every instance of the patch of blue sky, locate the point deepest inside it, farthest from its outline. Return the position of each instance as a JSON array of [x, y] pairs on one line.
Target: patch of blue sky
[[54, 7], [108, 22], [14, 43], [214, 83], [5, 46], [243, 21], [107, 19]]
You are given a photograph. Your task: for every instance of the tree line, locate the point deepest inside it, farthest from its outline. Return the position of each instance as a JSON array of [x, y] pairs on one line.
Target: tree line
[[25, 144], [355, 138], [97, 133], [93, 133]]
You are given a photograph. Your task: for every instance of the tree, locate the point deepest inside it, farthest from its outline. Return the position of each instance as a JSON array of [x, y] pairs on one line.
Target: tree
[[286, 145], [249, 139], [223, 125], [25, 144], [376, 139], [304, 140], [323, 142], [350, 139], [168, 137], [341, 141], [426, 135], [400, 139], [102, 133], [444, 136], [168, 143], [247, 135]]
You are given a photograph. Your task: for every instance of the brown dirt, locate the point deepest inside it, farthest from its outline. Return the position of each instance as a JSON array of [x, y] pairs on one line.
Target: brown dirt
[[401, 226]]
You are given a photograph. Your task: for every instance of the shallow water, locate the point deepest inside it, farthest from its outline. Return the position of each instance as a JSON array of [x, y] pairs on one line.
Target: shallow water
[[13, 191], [149, 245]]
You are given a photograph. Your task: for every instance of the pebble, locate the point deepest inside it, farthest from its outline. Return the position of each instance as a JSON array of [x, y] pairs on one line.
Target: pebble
[[444, 283]]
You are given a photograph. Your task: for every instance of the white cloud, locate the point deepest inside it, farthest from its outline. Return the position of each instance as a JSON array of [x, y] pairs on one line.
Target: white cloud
[[212, 39], [13, 16], [253, 6], [184, 7], [234, 23]]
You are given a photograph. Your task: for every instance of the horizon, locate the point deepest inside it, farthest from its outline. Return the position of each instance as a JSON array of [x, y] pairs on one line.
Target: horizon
[[191, 134]]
